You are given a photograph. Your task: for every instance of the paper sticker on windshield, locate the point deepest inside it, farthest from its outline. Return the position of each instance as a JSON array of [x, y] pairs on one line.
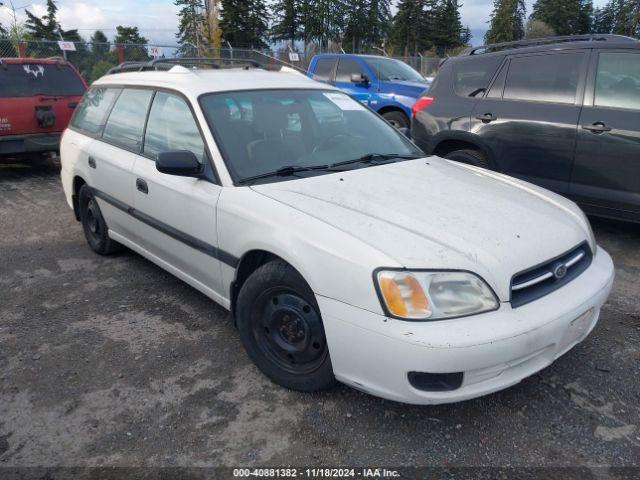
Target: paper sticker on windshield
[[343, 101]]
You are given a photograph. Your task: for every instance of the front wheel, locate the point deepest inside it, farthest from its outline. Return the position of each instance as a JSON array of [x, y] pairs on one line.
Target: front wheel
[[281, 328], [397, 119]]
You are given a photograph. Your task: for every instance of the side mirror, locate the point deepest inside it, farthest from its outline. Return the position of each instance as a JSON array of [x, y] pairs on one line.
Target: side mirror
[[359, 78], [179, 162], [406, 132]]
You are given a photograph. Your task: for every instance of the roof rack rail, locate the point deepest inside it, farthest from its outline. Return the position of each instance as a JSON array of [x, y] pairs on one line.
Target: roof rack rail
[[169, 63], [533, 42]]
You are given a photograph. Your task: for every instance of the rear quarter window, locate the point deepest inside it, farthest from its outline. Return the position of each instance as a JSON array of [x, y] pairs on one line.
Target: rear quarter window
[[474, 73], [29, 79], [92, 112], [125, 125]]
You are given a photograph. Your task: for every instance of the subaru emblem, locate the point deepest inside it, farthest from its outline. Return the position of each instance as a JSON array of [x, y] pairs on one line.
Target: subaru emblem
[[559, 270]]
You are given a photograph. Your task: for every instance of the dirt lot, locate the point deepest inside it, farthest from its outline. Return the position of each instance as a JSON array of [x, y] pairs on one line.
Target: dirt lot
[[112, 361]]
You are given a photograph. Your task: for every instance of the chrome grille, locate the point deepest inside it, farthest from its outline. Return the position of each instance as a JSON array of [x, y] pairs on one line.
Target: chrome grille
[[543, 279]]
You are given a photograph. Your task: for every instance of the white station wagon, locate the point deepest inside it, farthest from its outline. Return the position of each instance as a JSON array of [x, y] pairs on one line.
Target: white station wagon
[[342, 252]]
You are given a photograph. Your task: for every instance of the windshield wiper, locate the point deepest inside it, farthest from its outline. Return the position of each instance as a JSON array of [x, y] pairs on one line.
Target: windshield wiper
[[370, 158], [285, 171], [376, 158]]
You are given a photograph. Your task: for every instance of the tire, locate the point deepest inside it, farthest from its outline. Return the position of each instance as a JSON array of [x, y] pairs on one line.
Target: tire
[[396, 118], [470, 157], [281, 328], [95, 228]]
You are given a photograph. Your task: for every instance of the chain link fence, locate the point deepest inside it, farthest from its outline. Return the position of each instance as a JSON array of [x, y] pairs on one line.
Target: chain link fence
[[93, 60]]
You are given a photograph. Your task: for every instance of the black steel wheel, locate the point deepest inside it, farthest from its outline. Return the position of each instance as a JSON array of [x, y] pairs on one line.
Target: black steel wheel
[[281, 328], [95, 228]]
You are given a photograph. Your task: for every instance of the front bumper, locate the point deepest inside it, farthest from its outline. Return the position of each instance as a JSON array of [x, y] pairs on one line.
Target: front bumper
[[32, 143], [493, 350]]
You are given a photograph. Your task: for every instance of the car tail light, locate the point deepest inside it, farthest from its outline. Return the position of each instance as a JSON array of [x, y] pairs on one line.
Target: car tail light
[[421, 104]]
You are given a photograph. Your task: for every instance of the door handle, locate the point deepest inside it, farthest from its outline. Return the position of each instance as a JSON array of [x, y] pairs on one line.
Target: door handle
[[486, 118], [92, 162], [142, 186], [598, 127]]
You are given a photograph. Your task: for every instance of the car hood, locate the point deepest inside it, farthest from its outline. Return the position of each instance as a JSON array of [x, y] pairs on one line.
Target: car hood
[[435, 214], [404, 87]]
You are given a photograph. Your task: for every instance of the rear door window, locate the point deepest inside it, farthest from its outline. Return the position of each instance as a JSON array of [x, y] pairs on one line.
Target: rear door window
[[544, 78], [92, 112], [618, 81], [324, 69], [473, 74], [126, 122], [346, 68], [29, 79], [171, 127]]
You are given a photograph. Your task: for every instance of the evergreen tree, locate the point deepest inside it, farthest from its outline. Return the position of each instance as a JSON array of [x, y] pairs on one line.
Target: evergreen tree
[[190, 27], [47, 27], [565, 17], [623, 23], [378, 19], [356, 27], [604, 18], [129, 35], [244, 23], [324, 20], [507, 21], [99, 44], [133, 42], [447, 31], [407, 33], [288, 15]]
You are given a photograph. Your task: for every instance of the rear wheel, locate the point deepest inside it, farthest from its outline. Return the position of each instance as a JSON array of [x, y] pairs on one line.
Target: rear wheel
[[470, 157], [396, 118], [95, 228], [281, 328]]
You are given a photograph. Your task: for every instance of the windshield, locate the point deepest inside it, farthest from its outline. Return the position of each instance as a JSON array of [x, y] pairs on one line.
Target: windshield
[[263, 131], [389, 69], [29, 79]]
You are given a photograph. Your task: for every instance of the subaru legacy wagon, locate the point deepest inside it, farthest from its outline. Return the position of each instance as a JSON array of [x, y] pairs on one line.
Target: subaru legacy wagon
[[343, 253]]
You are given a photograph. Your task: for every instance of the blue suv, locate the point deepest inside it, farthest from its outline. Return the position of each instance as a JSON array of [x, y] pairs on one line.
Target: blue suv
[[388, 86]]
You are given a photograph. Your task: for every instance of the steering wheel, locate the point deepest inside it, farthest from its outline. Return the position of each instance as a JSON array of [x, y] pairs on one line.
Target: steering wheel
[[325, 144]]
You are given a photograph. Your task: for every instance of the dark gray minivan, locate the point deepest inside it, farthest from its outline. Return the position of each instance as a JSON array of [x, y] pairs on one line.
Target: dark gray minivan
[[560, 112]]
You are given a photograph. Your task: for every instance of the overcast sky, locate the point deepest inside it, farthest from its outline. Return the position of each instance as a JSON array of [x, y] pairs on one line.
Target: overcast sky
[[157, 19]]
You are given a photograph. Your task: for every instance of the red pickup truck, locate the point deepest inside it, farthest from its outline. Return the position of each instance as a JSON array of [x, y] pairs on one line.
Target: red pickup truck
[[37, 99]]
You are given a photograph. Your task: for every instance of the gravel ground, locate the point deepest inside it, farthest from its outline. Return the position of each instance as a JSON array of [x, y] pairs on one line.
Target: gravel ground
[[112, 361]]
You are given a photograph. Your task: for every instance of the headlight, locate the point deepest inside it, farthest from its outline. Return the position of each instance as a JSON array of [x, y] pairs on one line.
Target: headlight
[[416, 295]]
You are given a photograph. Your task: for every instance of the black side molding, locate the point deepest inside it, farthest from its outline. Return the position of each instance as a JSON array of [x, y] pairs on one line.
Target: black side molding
[[168, 230]]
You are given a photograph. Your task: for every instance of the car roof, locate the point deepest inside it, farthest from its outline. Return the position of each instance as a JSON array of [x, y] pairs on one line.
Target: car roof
[[563, 43], [358, 55], [197, 82]]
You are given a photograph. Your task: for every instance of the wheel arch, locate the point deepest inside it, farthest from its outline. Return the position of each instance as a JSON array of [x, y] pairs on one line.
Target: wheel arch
[[78, 182], [392, 108], [248, 263], [446, 144]]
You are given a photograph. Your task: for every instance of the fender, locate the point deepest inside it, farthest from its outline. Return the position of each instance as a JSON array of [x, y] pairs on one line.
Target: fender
[[381, 101]]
